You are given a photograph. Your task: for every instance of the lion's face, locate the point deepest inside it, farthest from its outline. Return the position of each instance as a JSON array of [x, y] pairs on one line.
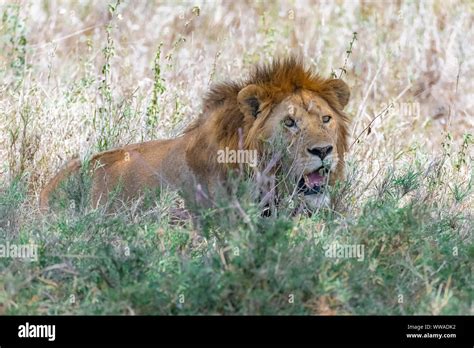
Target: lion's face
[[309, 131]]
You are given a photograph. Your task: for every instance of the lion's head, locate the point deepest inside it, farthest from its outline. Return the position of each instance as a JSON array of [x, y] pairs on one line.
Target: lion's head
[[286, 103]]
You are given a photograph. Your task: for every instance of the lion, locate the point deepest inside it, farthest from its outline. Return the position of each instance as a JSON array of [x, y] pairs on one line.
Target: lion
[[282, 100]]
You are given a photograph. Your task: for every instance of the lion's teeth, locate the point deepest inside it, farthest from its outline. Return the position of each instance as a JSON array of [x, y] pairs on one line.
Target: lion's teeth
[[306, 180]]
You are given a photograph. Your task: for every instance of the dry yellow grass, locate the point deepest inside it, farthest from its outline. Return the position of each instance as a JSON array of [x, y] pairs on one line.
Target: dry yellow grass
[[415, 54], [76, 76]]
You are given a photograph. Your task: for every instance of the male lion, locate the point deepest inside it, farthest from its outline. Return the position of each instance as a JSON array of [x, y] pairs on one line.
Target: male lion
[[283, 101]]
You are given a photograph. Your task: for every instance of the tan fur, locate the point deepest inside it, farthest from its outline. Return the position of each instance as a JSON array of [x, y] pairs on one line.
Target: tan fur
[[256, 106]]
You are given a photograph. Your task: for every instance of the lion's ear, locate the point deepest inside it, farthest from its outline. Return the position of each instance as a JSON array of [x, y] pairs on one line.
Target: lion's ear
[[250, 100], [341, 89]]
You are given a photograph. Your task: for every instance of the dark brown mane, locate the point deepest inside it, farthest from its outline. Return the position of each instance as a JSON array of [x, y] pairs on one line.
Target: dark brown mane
[[280, 78]]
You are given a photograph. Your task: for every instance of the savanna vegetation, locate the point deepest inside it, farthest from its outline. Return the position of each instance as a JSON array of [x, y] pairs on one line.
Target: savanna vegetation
[[81, 77]]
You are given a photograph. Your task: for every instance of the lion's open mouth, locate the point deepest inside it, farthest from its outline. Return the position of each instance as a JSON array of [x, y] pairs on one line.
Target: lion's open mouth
[[313, 182]]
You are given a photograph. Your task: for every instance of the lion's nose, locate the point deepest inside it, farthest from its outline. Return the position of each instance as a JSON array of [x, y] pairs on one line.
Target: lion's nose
[[321, 151]]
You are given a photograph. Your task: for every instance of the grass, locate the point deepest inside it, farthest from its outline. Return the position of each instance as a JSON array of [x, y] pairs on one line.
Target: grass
[[100, 76]]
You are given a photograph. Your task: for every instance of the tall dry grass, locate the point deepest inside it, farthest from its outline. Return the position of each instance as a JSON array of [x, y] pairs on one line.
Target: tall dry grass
[[405, 52], [81, 76]]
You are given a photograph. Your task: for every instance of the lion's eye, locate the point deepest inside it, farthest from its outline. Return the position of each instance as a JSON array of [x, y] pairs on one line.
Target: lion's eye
[[326, 118], [289, 122]]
